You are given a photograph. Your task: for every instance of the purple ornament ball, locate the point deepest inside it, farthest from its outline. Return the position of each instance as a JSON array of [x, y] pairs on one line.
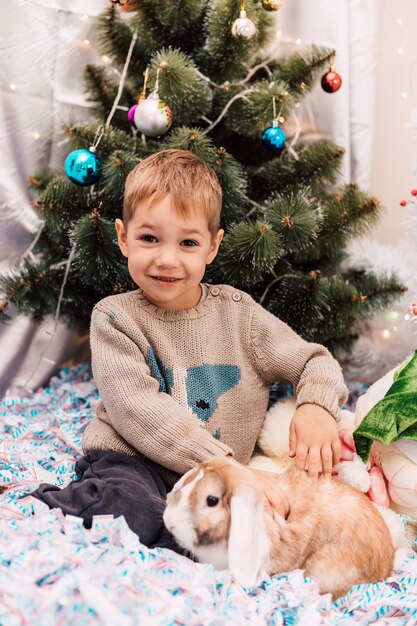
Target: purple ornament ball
[[131, 114]]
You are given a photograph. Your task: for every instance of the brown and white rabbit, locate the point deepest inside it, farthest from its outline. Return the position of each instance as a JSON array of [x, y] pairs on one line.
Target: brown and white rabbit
[[333, 531]]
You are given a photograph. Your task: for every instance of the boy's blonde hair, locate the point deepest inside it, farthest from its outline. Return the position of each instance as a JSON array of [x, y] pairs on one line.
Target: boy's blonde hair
[[193, 186]]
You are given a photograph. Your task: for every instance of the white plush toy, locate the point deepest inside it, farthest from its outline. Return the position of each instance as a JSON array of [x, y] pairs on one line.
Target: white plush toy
[[390, 478], [273, 445]]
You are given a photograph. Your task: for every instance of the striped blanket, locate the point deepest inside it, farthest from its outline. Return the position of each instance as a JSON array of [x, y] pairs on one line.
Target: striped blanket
[[55, 572]]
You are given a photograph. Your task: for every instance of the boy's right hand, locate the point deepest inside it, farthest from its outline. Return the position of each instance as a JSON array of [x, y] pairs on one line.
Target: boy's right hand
[[276, 500]]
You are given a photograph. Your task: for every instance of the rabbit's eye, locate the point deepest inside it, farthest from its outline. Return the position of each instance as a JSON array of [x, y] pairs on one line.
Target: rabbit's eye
[[212, 501]]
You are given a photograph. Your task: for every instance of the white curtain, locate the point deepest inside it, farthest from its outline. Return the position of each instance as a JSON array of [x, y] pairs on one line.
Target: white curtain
[[345, 117], [43, 50]]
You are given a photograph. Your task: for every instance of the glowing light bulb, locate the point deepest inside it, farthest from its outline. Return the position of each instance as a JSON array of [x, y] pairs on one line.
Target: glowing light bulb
[[13, 87], [36, 135], [298, 41], [106, 59], [86, 42], [395, 328], [399, 21], [279, 33], [407, 316], [400, 50], [404, 95], [392, 316], [386, 334]]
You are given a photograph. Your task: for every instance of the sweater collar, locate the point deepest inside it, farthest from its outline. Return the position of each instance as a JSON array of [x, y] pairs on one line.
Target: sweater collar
[[209, 295]]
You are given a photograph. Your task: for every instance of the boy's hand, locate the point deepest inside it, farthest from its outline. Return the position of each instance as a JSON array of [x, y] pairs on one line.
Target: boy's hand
[[276, 500], [314, 440]]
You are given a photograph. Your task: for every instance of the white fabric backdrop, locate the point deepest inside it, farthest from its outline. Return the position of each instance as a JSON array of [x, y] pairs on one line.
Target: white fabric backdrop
[[346, 117], [42, 55]]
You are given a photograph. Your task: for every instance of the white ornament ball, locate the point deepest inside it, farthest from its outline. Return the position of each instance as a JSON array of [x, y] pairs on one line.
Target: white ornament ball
[[243, 27], [152, 116], [401, 474]]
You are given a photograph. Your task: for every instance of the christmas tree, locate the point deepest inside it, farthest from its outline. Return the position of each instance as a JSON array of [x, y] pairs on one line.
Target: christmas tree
[[193, 75]]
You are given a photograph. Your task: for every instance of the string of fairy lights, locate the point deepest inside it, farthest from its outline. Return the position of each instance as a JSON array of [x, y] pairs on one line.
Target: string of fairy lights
[[392, 317]]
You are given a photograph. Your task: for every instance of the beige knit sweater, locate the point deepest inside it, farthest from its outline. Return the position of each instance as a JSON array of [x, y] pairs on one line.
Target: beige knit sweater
[[180, 386]]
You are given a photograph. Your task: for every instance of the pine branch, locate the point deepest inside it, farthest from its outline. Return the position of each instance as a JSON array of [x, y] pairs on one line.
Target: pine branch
[[301, 70], [98, 258], [181, 85], [115, 171], [226, 56], [192, 139], [374, 293], [248, 251], [33, 288], [315, 163], [102, 90], [296, 216], [114, 37], [39, 181], [82, 136], [175, 21], [345, 215], [61, 203], [233, 180]]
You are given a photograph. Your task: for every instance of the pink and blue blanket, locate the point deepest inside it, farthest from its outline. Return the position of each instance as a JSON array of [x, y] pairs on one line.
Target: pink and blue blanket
[[54, 572]]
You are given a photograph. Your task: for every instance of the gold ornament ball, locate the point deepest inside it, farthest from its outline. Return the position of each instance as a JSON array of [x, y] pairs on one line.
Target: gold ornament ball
[[271, 5]]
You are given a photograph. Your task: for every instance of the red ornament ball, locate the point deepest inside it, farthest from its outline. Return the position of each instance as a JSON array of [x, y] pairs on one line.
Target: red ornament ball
[[331, 82], [414, 192], [414, 308], [403, 203]]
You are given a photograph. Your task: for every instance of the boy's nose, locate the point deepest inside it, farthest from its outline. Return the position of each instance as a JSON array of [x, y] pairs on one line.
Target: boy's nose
[[166, 258]]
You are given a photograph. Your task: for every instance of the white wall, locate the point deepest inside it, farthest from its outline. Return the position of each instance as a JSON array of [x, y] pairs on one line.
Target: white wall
[[395, 145]]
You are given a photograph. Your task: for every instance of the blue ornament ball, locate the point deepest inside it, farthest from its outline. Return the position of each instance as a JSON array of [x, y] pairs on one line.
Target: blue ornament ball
[[83, 167], [273, 138]]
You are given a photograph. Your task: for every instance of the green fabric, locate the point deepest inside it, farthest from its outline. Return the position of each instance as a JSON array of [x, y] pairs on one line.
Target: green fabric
[[395, 416]]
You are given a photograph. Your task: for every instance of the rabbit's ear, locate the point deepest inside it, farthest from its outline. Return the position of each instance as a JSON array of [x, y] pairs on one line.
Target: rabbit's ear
[[248, 543]]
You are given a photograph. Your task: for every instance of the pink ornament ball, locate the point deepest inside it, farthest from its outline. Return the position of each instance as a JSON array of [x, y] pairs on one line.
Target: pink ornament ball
[[131, 114]]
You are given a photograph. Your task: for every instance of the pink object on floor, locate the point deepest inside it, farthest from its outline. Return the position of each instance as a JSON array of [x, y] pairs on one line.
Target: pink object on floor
[[347, 444], [378, 492]]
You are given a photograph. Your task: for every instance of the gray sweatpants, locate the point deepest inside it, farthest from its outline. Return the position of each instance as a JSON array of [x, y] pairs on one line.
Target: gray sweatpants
[[116, 484]]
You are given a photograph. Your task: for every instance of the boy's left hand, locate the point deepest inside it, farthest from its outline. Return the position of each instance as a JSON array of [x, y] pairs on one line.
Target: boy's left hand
[[314, 440]]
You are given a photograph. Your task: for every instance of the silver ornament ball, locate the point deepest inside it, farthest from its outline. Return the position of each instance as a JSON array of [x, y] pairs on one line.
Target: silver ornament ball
[[243, 27], [152, 116]]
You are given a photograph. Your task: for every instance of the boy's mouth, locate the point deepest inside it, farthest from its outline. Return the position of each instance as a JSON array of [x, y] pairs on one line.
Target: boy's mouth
[[165, 279]]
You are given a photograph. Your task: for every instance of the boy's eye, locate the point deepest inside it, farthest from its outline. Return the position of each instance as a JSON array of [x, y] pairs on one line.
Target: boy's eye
[[148, 238], [188, 243]]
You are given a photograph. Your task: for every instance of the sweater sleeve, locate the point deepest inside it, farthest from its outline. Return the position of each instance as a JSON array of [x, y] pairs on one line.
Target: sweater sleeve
[[281, 354], [148, 419]]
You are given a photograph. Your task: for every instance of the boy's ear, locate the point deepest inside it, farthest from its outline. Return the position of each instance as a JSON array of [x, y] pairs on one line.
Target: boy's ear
[[215, 246], [121, 236]]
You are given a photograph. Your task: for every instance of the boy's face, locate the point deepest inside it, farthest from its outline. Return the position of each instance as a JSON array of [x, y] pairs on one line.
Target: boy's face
[[167, 254]]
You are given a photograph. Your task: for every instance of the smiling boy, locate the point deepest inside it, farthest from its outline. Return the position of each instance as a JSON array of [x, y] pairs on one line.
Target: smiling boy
[[167, 253], [184, 368]]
